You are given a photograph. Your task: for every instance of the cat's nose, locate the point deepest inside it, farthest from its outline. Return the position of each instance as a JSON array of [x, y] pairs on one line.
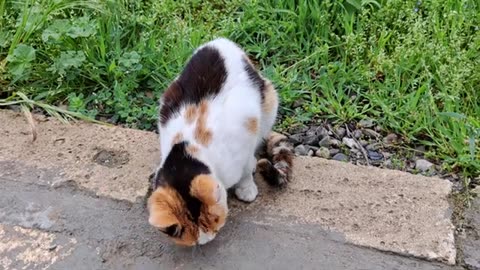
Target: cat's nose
[[205, 238]]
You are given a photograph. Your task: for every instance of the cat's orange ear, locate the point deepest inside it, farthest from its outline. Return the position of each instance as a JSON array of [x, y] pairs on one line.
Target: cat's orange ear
[[160, 206], [206, 189]]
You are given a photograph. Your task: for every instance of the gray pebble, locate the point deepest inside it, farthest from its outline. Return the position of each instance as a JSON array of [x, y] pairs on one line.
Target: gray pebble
[[310, 153], [334, 151], [299, 129], [323, 152], [349, 142], [325, 141], [297, 139], [321, 132], [365, 123], [340, 157], [301, 150], [390, 139], [310, 139], [340, 132], [373, 146], [374, 155], [423, 165], [371, 133], [335, 142], [357, 134]]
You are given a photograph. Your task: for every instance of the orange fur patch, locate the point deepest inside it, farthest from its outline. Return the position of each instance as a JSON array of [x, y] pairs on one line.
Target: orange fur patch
[[167, 208], [271, 98], [252, 125], [190, 114], [192, 150], [202, 134], [204, 188], [177, 139], [213, 216]]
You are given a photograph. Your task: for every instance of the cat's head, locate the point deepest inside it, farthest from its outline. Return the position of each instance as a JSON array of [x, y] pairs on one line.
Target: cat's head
[[189, 205]]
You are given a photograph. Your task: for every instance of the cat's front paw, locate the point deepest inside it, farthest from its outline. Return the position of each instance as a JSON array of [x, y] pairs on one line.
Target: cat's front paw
[[247, 193]]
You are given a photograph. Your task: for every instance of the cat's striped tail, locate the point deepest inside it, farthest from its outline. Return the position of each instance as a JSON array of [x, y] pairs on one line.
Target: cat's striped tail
[[276, 160]]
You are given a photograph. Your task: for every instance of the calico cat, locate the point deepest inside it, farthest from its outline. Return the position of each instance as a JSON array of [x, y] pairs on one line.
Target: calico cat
[[212, 120]]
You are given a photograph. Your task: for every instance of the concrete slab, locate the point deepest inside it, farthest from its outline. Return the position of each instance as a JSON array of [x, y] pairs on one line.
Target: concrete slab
[[85, 232], [471, 241], [109, 161], [380, 209]]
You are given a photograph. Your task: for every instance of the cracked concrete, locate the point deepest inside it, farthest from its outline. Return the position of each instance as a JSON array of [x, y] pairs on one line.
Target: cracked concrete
[[87, 183]]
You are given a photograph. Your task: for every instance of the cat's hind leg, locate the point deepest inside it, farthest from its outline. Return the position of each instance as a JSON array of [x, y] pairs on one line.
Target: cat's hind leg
[[276, 167]]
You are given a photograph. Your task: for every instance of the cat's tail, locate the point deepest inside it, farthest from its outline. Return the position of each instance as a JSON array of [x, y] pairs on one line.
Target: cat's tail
[[277, 163]]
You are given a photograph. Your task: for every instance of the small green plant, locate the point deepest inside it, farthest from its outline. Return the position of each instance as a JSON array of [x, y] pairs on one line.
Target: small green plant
[[413, 67]]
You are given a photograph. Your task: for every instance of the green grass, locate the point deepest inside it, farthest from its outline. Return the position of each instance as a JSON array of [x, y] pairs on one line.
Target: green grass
[[413, 67]]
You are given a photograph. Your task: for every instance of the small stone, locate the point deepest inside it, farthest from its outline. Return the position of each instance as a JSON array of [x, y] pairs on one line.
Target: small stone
[[340, 132], [373, 146], [334, 151], [301, 150], [325, 141], [378, 128], [335, 142], [386, 155], [349, 142], [374, 155], [340, 157], [323, 152], [423, 165], [388, 164], [371, 133], [310, 153], [363, 143], [390, 139], [297, 139], [310, 139], [298, 129], [357, 134], [365, 123], [321, 132]]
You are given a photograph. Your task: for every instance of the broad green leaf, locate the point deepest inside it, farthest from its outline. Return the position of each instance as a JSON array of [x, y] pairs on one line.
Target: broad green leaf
[[4, 39], [66, 61], [22, 54], [17, 69], [56, 30], [129, 59], [82, 27]]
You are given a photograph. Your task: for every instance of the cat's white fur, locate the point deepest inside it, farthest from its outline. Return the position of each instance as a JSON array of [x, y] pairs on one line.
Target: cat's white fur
[[230, 155]]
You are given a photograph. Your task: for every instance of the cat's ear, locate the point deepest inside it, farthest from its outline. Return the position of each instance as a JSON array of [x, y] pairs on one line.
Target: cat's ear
[[159, 207], [206, 189]]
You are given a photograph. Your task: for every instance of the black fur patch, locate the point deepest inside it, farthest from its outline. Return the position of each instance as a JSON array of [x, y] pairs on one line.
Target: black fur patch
[[255, 78], [202, 77], [178, 171], [269, 173]]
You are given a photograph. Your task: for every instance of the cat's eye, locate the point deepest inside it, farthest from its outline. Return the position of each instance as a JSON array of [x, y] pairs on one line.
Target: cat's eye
[[173, 230]]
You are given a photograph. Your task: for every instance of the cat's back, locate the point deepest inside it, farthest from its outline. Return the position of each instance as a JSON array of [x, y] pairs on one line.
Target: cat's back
[[217, 92]]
